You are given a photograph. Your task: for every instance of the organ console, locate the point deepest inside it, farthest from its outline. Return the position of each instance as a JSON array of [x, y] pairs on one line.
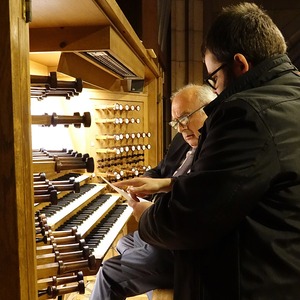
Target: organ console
[[58, 190], [78, 217]]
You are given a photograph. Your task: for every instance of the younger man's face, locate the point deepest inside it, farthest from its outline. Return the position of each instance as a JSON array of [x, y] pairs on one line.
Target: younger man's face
[[220, 78]]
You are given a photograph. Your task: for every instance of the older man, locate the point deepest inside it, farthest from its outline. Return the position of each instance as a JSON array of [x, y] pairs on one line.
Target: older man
[[142, 267]]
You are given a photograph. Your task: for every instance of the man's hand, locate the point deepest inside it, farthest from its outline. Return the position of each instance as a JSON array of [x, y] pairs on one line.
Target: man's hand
[[142, 186], [139, 208]]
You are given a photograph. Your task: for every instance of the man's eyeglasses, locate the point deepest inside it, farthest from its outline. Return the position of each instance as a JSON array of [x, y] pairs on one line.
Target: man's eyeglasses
[[210, 80], [184, 120]]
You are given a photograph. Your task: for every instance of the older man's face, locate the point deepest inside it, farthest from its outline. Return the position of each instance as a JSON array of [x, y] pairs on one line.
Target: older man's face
[[183, 105]]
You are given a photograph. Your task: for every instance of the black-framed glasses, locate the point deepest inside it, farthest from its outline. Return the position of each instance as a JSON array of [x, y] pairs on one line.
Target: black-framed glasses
[[184, 120], [210, 80]]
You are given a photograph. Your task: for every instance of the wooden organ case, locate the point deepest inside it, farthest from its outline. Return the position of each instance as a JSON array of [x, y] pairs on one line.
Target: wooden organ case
[[107, 122]]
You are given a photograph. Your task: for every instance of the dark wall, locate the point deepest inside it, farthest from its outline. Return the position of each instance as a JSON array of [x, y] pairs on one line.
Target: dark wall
[[132, 9]]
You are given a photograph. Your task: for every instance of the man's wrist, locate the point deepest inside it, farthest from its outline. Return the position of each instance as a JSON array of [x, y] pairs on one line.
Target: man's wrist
[[168, 184], [173, 180]]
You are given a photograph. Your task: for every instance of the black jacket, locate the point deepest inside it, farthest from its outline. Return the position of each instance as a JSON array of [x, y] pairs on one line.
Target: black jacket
[[170, 163], [234, 221]]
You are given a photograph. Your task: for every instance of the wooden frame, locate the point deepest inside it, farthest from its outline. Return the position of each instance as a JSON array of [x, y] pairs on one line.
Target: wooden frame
[[17, 251]]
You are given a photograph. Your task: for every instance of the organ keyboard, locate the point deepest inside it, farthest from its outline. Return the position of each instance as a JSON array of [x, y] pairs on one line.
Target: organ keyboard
[[114, 223], [96, 212], [70, 204], [99, 236], [87, 221], [87, 210]]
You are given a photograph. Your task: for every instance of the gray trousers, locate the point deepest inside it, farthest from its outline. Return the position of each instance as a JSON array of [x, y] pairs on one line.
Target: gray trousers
[[138, 269]]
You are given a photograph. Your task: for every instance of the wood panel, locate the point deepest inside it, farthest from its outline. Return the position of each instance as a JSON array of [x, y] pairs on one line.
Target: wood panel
[[17, 251], [66, 13]]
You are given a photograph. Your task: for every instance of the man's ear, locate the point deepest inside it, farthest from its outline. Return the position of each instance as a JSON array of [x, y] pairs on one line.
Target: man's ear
[[240, 64]]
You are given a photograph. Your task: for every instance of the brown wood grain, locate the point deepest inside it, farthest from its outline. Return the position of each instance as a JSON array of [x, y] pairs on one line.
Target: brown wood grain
[[17, 255]]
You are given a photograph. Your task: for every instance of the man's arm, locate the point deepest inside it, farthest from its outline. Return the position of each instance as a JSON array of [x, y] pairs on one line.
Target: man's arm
[[224, 185], [141, 187]]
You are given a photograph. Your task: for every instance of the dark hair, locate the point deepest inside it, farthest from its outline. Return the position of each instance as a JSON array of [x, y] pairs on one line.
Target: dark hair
[[247, 29]]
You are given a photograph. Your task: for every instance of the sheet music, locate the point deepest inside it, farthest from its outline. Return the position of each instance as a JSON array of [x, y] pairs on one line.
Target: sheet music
[[122, 192]]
